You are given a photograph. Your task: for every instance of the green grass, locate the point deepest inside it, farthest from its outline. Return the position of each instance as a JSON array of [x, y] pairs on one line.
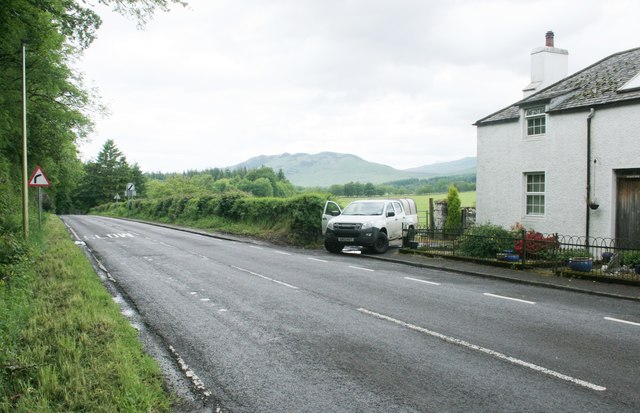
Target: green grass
[[467, 199], [64, 346]]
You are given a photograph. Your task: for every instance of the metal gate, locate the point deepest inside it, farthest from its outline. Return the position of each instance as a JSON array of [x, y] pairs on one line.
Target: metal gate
[[628, 209]]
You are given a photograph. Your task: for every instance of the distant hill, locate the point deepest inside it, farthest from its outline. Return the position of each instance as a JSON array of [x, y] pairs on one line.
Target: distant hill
[[328, 168], [460, 167]]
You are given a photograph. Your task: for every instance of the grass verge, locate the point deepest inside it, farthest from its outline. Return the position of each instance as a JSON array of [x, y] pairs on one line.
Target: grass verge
[[64, 346]]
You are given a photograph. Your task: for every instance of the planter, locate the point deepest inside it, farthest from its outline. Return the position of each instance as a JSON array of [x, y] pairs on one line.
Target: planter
[[606, 256], [638, 269], [507, 256], [512, 258], [581, 264]]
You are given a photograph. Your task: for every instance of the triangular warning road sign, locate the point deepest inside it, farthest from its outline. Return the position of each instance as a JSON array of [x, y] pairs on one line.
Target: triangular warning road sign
[[38, 178]]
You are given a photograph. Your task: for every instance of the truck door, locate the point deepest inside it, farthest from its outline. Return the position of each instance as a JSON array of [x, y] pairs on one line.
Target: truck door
[[394, 224], [331, 209]]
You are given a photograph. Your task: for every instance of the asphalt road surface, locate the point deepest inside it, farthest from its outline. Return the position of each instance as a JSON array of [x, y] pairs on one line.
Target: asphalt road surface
[[275, 329]]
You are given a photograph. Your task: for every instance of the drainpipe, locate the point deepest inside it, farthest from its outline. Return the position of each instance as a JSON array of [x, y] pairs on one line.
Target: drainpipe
[[587, 231]]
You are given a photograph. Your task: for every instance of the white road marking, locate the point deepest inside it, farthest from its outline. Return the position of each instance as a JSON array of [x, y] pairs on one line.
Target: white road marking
[[509, 298], [484, 350], [222, 310], [255, 247], [73, 232], [281, 252], [265, 277], [193, 292], [205, 299], [361, 268], [617, 320], [316, 259], [421, 281]]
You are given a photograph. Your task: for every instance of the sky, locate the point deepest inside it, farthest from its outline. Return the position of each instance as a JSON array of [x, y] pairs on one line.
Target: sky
[[396, 82]]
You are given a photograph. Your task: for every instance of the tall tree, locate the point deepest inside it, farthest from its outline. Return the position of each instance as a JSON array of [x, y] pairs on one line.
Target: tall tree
[[105, 177], [454, 212]]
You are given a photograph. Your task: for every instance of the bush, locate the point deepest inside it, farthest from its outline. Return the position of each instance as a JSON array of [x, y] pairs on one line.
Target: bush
[[630, 258], [485, 241], [564, 255], [537, 245]]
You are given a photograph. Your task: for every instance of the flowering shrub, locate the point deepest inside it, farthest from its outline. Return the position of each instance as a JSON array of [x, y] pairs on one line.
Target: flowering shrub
[[537, 245]]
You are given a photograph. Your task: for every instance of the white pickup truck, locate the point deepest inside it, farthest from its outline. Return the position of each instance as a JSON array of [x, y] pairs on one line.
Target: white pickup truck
[[371, 224]]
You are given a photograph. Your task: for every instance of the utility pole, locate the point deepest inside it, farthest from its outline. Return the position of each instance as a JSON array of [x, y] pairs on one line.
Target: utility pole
[[25, 187]]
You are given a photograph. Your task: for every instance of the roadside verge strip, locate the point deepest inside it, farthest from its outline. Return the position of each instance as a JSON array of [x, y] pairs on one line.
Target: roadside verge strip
[[484, 350]]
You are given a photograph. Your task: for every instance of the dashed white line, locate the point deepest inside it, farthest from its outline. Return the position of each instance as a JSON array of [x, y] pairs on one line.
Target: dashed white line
[[361, 268], [509, 298], [421, 281], [281, 252], [484, 350], [617, 320], [265, 277], [255, 247], [316, 259]]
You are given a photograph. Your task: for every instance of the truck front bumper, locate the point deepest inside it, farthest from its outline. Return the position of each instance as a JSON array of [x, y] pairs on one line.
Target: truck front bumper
[[365, 238]]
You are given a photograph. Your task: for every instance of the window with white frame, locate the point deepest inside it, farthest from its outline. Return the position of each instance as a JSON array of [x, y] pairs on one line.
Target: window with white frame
[[534, 193], [536, 120]]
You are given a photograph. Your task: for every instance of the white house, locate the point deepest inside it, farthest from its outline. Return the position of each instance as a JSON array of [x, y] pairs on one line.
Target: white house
[[566, 158]]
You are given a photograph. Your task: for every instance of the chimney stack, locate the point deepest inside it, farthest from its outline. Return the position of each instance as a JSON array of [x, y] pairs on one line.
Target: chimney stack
[[548, 65], [549, 39]]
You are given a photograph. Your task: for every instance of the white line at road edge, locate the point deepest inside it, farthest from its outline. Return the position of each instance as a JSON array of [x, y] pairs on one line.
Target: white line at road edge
[[316, 259], [622, 321], [490, 352], [508, 298], [421, 281], [265, 277]]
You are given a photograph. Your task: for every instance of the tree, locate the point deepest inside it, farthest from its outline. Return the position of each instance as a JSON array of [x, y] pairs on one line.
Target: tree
[[454, 213], [105, 177]]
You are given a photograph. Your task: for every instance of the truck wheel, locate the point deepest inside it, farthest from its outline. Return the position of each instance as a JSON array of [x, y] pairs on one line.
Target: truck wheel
[[333, 247], [381, 245]]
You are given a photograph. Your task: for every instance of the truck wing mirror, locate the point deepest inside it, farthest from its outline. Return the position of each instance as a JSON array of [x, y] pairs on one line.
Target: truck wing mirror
[[391, 214]]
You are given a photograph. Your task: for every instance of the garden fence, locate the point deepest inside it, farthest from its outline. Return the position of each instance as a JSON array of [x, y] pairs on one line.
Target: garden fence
[[562, 254]]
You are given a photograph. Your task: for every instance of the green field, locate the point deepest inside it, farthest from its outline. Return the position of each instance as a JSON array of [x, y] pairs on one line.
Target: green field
[[467, 199]]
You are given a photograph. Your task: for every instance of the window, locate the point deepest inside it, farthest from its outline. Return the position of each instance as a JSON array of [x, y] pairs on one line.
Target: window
[[534, 193], [536, 121]]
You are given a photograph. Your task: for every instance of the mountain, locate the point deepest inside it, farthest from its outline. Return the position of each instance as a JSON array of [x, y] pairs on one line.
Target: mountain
[[327, 168], [460, 167]]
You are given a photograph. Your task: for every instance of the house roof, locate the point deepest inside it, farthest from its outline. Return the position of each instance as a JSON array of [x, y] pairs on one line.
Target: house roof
[[598, 84]]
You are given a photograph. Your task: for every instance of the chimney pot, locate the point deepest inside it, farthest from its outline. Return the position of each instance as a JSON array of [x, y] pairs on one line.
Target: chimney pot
[[549, 39]]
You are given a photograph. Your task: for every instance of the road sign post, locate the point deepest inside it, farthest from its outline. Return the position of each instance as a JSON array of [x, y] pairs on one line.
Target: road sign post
[[130, 193], [39, 179]]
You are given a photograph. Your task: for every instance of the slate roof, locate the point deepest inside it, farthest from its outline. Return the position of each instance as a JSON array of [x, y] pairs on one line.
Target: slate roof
[[596, 85]]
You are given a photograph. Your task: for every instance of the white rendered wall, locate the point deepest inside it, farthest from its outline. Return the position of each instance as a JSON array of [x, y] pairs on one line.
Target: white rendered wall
[[505, 155]]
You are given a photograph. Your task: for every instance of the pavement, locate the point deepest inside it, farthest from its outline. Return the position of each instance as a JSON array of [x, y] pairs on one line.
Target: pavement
[[543, 278], [607, 288]]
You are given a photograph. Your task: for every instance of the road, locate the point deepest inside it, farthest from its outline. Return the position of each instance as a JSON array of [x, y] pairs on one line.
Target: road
[[269, 328]]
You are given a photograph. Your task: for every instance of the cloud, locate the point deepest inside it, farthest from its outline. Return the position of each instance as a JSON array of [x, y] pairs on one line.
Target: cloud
[[395, 82]]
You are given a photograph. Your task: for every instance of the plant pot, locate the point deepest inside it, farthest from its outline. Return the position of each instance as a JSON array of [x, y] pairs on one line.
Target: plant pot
[[638, 269], [606, 256], [512, 258], [507, 255], [581, 264]]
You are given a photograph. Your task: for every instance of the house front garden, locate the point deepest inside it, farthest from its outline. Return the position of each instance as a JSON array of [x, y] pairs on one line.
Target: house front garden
[[570, 256]]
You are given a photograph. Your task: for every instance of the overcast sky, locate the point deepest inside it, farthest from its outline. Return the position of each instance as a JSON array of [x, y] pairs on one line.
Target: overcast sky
[[398, 82]]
